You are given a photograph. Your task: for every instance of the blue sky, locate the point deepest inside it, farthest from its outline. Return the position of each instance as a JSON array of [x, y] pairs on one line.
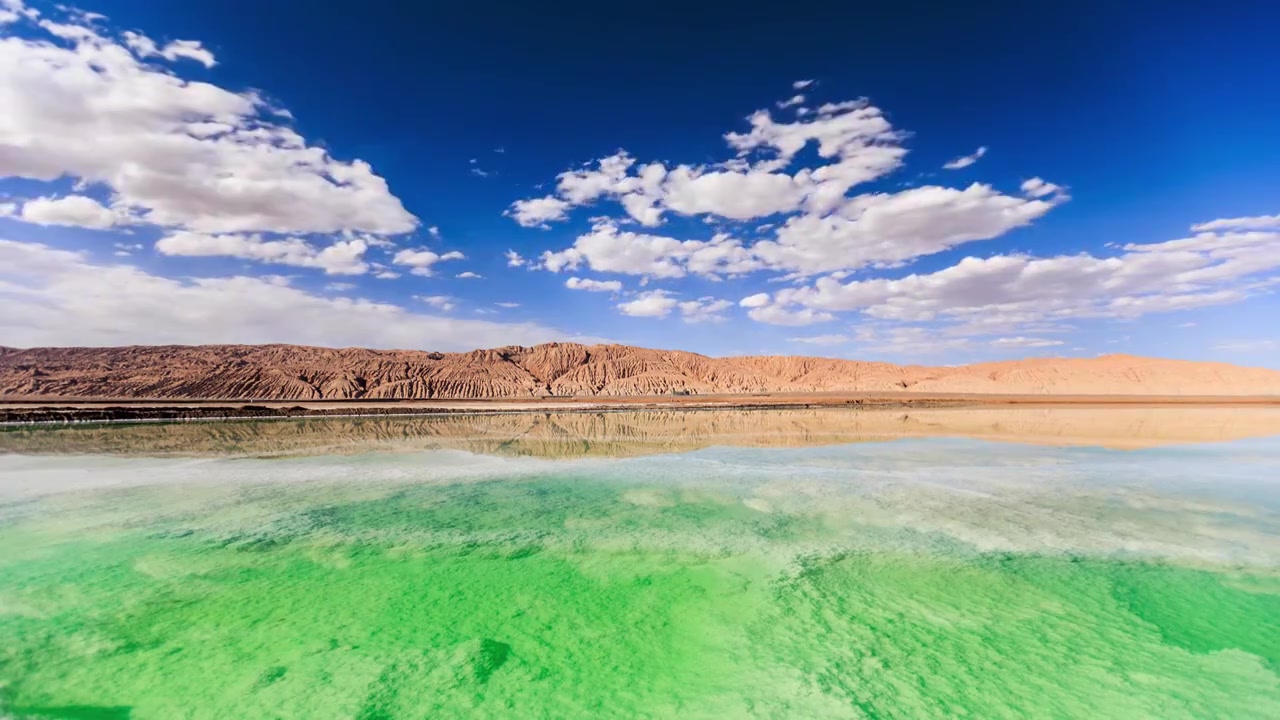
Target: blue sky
[[915, 183]]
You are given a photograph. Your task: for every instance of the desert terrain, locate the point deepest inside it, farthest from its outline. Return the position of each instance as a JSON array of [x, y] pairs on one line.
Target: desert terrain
[[554, 371]]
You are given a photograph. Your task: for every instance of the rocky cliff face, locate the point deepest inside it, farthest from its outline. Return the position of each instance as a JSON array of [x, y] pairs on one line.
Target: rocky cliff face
[[288, 372]]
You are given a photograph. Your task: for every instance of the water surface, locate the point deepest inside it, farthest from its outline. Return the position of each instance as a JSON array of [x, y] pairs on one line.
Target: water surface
[[767, 565]]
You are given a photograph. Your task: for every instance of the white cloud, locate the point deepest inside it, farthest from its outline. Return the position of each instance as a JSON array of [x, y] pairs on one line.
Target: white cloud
[[870, 230], [514, 259], [824, 340], [822, 229], [421, 260], [434, 232], [790, 102], [144, 47], [54, 297], [507, 305], [1260, 222], [854, 139], [1025, 342], [344, 257], [651, 303], [778, 315], [966, 160], [537, 212], [732, 195], [468, 275], [12, 11], [340, 286], [704, 309], [801, 84], [1248, 346], [1037, 188], [125, 249], [855, 133], [608, 249], [908, 340], [1202, 270], [71, 210], [444, 303], [177, 154], [755, 301], [892, 228], [660, 303], [575, 283]]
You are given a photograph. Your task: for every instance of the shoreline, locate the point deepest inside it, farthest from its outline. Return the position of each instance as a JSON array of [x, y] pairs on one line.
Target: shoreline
[[48, 411]]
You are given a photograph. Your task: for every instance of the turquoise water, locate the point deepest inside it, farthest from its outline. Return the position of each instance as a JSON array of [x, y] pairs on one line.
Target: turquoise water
[[916, 578]]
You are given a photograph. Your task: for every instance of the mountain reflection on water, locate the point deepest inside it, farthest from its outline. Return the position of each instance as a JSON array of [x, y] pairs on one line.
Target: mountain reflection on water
[[636, 433]]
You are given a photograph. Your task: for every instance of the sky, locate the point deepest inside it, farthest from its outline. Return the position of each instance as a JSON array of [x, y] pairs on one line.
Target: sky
[[921, 183]]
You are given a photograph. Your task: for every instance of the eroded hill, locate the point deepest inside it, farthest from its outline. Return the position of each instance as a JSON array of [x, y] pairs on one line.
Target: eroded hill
[[289, 372]]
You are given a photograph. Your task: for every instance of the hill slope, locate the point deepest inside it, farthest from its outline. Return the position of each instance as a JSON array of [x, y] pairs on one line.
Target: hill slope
[[289, 372]]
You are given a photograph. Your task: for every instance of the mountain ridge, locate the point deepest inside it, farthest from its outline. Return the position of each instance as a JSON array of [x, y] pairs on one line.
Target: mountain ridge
[[294, 372]]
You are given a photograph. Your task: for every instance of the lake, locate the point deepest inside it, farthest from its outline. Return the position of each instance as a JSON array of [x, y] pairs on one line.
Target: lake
[[988, 563]]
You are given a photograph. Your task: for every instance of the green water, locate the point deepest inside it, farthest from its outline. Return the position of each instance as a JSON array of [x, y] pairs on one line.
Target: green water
[[913, 579]]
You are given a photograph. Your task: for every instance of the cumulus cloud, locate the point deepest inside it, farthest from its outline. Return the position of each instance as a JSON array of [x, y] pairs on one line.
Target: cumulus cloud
[[71, 210], [652, 303], [801, 84], [575, 283], [537, 212], [468, 275], [341, 258], [607, 248], [55, 297], [817, 226], [514, 259], [661, 303], [173, 153], [1208, 268], [421, 261], [892, 228], [704, 309], [444, 303], [854, 139], [878, 229], [965, 160]]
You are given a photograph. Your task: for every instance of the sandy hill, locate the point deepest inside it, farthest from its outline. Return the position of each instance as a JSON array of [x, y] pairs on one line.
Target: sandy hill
[[289, 372]]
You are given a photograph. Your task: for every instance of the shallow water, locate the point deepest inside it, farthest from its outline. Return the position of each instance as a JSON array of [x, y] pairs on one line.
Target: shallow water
[[202, 571]]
